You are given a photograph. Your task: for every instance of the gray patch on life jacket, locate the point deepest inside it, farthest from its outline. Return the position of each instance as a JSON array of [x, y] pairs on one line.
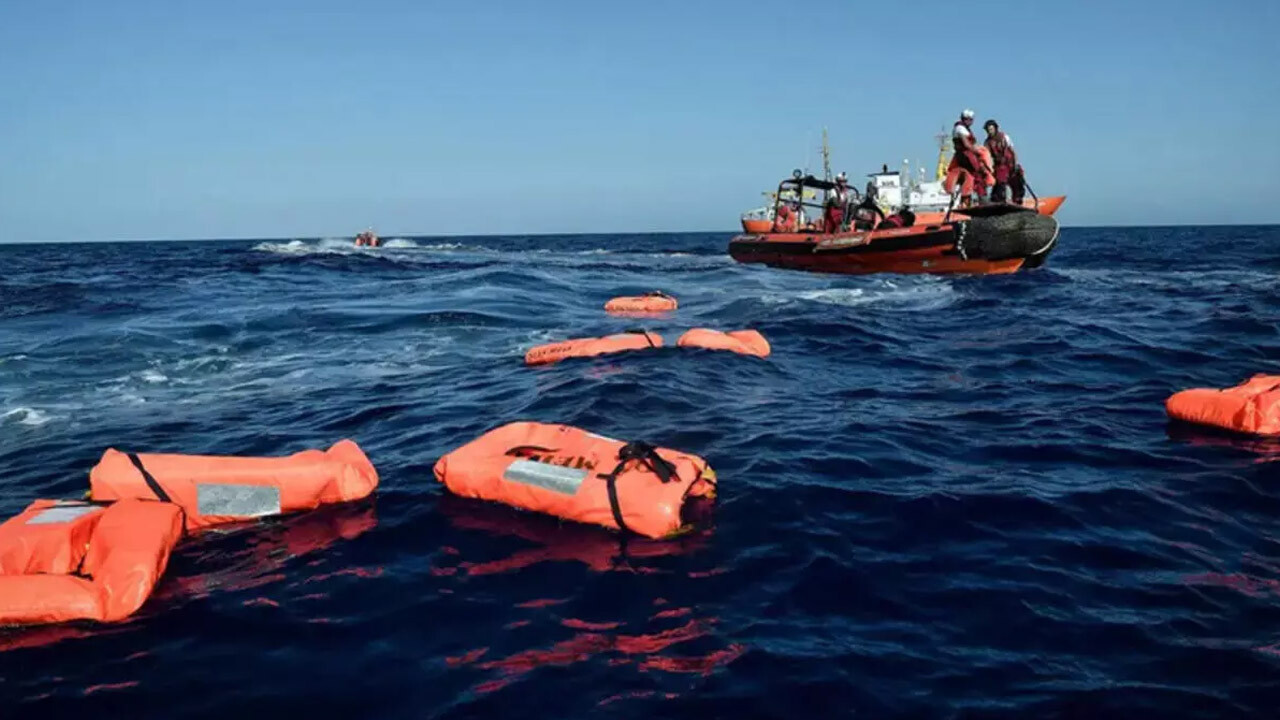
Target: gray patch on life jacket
[[237, 500], [61, 514], [563, 480]]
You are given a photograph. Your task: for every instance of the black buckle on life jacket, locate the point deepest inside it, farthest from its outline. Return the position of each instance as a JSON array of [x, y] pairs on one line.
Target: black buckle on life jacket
[[647, 456]]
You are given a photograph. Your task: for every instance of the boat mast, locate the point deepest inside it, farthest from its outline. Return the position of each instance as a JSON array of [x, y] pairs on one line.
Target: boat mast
[[826, 157], [941, 172]]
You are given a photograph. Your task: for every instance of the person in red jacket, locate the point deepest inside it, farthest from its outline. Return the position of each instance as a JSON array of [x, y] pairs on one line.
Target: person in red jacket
[[837, 202], [785, 219], [1008, 174]]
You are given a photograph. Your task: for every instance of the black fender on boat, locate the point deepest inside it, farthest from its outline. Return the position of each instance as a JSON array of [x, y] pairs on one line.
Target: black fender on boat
[[1014, 235]]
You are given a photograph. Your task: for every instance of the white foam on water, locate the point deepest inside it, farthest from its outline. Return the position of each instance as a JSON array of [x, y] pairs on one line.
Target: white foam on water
[[399, 243], [921, 294], [153, 376], [293, 247], [30, 417], [324, 246]]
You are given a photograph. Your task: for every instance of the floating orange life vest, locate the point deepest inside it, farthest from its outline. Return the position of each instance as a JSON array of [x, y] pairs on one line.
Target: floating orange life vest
[[575, 475], [653, 302], [590, 347], [743, 342], [220, 489], [63, 561], [1251, 407]]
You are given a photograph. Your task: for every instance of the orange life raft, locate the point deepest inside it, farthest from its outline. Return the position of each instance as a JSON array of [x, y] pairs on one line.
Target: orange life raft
[[63, 561], [221, 489], [575, 475], [590, 347], [743, 342], [654, 302], [1251, 407]]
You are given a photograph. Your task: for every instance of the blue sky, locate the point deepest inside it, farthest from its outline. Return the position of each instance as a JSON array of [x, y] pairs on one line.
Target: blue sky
[[290, 118]]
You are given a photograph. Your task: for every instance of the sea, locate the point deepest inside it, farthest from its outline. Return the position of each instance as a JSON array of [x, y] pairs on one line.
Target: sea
[[939, 497]]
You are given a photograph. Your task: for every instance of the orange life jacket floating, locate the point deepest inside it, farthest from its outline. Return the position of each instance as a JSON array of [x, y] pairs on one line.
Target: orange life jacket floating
[[63, 561], [219, 489], [575, 475], [743, 342], [590, 347], [654, 302], [1251, 407]]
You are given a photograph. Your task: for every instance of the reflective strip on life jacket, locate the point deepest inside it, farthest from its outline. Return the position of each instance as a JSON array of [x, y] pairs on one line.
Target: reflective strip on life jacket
[[743, 342], [590, 347], [1251, 407], [220, 489], [74, 561], [575, 475]]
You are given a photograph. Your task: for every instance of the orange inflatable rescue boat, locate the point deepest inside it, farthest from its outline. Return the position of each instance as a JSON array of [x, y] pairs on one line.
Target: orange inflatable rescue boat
[[220, 489], [63, 561], [576, 475], [654, 302], [1251, 407], [743, 342], [590, 347]]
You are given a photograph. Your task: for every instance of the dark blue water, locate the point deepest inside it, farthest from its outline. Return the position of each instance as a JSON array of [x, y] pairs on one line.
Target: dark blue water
[[940, 497]]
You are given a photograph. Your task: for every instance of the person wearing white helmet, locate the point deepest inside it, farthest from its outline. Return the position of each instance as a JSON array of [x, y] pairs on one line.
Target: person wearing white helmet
[[966, 153], [837, 205]]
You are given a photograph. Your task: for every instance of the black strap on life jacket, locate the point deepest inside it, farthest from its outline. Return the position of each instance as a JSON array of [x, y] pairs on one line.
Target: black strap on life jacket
[[647, 456], [161, 495], [641, 331]]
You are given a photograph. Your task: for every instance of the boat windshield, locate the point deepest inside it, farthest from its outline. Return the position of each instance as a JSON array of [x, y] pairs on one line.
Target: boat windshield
[[803, 191]]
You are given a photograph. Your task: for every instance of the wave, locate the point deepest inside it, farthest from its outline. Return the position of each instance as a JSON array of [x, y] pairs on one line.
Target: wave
[[399, 243], [928, 294], [30, 417]]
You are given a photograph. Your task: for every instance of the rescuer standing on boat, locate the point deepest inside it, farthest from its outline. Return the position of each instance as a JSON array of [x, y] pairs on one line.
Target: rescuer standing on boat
[[837, 204], [1007, 171], [966, 153]]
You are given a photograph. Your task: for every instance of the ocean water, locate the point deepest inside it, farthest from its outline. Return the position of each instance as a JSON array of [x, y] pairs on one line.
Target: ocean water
[[940, 497]]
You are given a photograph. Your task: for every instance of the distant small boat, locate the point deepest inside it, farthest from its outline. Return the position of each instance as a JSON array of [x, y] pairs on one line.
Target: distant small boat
[[368, 239]]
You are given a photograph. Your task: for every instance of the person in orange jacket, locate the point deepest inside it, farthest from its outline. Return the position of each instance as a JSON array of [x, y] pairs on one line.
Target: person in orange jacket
[[966, 153]]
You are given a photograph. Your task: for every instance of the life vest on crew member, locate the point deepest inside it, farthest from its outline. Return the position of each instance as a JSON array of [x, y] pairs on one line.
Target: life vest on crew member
[[1002, 155], [62, 561], [214, 490], [832, 217], [785, 219], [966, 156], [576, 475]]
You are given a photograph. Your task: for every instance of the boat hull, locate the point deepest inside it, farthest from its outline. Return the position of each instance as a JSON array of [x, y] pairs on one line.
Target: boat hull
[[982, 246]]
